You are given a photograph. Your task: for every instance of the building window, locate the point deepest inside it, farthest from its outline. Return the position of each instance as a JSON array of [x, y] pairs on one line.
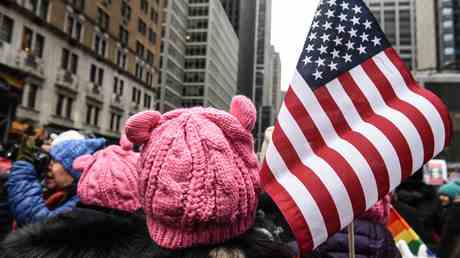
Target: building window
[[100, 44], [102, 19], [149, 79], [115, 121], [136, 96], [78, 4], [154, 15], [123, 36], [69, 61], [448, 24], [121, 58], [196, 63], [96, 75], [64, 106], [449, 51], [448, 37], [144, 6], [43, 11], [198, 11], [92, 115], [147, 100], [118, 86], [139, 73], [197, 37], [29, 45], [447, 12], [150, 58], [196, 50], [125, 11], [6, 28], [32, 97], [152, 36], [194, 77], [198, 24], [142, 27], [140, 50], [74, 27]]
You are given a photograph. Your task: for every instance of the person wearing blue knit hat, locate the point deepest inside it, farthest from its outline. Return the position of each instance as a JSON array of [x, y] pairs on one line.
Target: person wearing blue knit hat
[[29, 201]]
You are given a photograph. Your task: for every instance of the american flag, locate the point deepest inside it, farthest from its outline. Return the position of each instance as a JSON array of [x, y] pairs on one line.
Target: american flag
[[353, 125]]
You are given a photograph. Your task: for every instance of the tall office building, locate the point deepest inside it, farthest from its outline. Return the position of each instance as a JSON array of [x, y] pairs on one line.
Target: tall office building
[[173, 47], [80, 64], [276, 89], [211, 64], [398, 21], [449, 33], [262, 89], [437, 69], [243, 16]]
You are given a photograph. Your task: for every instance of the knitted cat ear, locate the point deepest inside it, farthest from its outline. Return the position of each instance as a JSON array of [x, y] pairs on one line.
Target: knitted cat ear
[[83, 162], [139, 126], [244, 110]]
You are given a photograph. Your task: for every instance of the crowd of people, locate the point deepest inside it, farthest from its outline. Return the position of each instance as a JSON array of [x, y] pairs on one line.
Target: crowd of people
[[193, 191]]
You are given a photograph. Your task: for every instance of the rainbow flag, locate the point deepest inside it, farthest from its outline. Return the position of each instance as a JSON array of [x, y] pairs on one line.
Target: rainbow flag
[[401, 230]]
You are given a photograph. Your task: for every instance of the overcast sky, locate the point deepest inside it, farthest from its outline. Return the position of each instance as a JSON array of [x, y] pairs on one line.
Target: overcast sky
[[291, 20]]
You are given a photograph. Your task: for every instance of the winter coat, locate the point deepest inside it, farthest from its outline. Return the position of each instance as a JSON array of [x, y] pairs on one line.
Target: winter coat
[[372, 240], [6, 219], [25, 196], [92, 232]]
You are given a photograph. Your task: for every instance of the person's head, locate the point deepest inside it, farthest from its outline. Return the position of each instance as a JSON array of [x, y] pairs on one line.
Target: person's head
[[198, 173], [109, 178], [449, 192], [61, 172]]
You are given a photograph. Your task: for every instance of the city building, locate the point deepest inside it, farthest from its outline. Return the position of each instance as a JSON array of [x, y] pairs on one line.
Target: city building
[[83, 64], [398, 20], [199, 56], [276, 89], [211, 61], [437, 50], [173, 47], [264, 67], [243, 16]]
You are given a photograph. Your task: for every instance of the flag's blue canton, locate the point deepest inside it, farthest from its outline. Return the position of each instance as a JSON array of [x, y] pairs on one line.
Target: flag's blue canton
[[344, 34]]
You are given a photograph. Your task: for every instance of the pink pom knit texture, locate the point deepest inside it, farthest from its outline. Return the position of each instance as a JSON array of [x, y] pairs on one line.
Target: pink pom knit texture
[[139, 126], [198, 176], [109, 178]]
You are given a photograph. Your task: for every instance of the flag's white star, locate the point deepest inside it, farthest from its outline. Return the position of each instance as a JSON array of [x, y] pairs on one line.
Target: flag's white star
[[312, 36], [330, 14], [345, 6], [364, 37], [327, 25], [350, 45], [306, 60], [325, 37], [376, 41], [322, 49], [332, 2], [319, 62], [343, 17], [357, 9], [332, 66], [318, 75], [362, 49], [338, 41], [318, 13], [341, 28], [352, 32], [335, 53], [367, 24], [347, 58], [355, 20], [315, 24], [309, 48]]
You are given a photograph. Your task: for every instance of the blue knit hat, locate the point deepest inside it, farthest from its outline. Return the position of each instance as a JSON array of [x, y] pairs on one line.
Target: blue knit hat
[[452, 189], [67, 151]]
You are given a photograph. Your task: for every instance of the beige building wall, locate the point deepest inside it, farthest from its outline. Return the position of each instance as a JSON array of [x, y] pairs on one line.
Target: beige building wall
[[426, 34]]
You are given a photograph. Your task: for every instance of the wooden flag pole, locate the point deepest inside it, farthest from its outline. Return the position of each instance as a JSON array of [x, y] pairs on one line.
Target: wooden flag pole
[[351, 241]]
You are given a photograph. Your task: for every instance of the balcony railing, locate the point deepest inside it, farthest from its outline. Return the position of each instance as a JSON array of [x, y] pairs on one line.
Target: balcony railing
[[30, 63], [95, 91], [66, 79]]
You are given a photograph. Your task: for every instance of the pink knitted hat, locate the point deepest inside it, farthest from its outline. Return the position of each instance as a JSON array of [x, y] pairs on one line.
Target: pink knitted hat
[[198, 173], [109, 177]]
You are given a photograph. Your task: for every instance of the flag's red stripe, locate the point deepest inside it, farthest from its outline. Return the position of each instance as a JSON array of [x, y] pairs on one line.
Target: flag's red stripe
[[288, 208], [311, 181], [364, 146], [391, 99], [435, 100], [339, 164], [392, 133]]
